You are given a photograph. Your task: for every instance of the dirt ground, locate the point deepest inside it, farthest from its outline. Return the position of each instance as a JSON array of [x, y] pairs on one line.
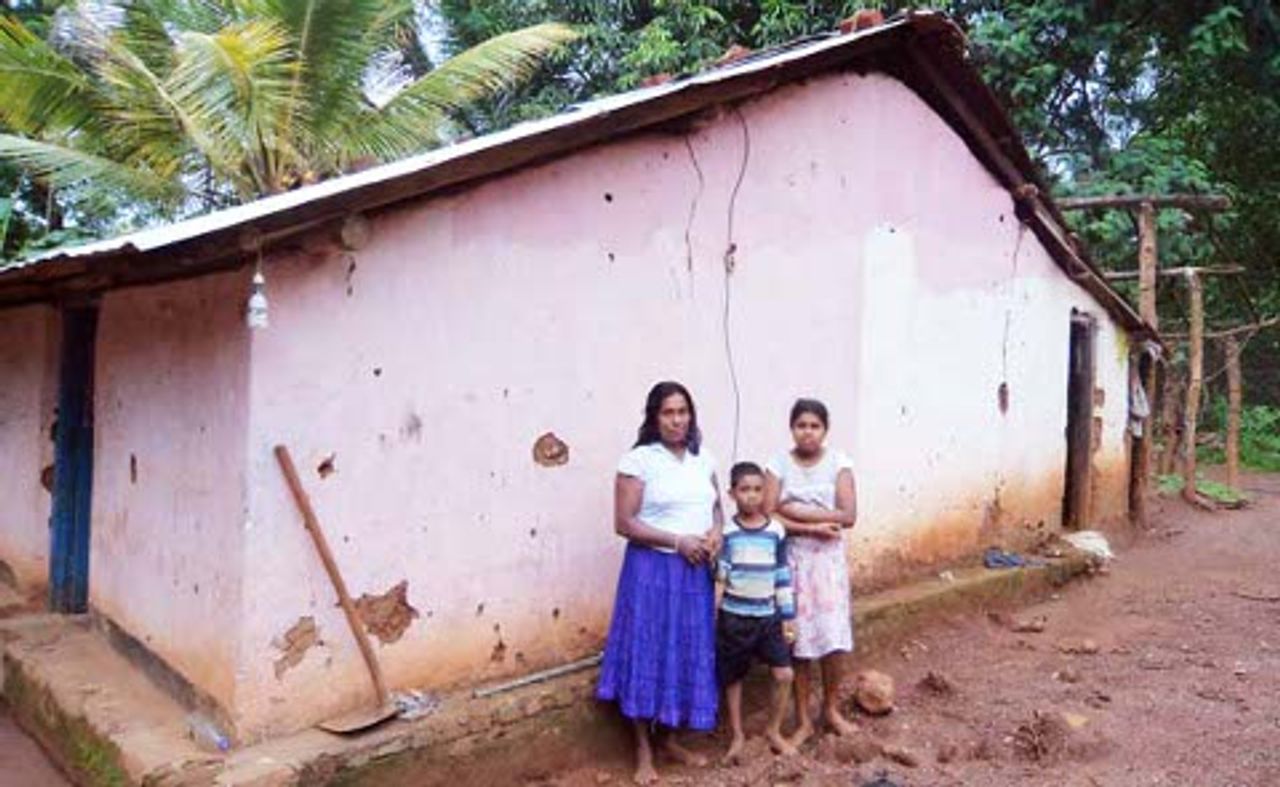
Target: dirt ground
[[1183, 688], [1164, 671], [22, 763]]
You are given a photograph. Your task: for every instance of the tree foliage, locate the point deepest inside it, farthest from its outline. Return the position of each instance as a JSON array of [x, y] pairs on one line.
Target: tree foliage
[[174, 106]]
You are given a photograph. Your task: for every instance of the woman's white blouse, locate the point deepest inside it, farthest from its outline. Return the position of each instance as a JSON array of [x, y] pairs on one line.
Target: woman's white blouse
[[679, 496]]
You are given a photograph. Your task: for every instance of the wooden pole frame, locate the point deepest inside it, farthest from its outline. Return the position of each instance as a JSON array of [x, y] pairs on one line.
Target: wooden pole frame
[[1212, 203], [1195, 379], [1231, 348], [1148, 275]]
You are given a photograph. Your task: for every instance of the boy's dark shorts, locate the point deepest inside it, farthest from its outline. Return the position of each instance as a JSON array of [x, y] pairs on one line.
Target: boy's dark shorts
[[740, 640]]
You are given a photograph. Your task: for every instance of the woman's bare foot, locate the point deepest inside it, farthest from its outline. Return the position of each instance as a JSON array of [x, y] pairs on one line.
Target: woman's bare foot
[[734, 755], [803, 733], [672, 748], [780, 745], [839, 724], [645, 773]]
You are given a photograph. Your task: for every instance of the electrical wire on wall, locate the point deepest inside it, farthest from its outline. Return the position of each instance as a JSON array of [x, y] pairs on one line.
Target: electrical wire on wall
[[730, 262]]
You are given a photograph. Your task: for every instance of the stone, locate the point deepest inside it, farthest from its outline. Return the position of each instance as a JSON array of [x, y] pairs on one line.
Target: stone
[[1075, 720], [874, 692], [1083, 647], [1067, 675], [937, 683], [901, 755], [1032, 626], [948, 752]]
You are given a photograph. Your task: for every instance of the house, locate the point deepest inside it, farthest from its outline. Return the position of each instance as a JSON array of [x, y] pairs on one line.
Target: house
[[460, 343]]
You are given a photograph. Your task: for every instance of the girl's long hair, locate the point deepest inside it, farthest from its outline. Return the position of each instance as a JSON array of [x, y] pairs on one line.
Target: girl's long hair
[[649, 432]]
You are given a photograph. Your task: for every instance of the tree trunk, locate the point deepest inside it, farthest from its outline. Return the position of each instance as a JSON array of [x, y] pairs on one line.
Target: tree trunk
[[1140, 478], [1232, 348], [1195, 378], [1170, 417], [1148, 262]]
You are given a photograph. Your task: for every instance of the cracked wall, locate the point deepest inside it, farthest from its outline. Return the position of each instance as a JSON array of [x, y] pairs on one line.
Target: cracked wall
[[872, 266]]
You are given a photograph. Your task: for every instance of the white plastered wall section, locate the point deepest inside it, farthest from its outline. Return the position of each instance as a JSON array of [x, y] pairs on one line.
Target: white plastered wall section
[[874, 270], [28, 401], [169, 473]]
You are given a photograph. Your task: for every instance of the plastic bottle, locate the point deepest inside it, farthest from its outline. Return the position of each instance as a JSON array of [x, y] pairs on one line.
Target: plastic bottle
[[206, 734]]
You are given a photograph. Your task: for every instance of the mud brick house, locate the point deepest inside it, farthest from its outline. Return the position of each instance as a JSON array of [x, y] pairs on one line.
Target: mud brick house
[[850, 217]]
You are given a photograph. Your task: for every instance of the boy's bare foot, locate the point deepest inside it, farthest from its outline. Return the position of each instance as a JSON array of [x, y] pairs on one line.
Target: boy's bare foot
[[734, 755], [645, 774], [780, 745], [839, 724], [680, 754], [803, 733]]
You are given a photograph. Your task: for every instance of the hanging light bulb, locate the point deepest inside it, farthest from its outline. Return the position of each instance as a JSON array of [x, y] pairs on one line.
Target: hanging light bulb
[[256, 312]]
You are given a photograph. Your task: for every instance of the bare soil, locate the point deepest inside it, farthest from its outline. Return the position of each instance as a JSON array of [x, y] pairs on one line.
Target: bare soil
[[1163, 671], [21, 761]]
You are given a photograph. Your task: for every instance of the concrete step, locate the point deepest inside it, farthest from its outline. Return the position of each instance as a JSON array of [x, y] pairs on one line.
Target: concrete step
[[81, 699]]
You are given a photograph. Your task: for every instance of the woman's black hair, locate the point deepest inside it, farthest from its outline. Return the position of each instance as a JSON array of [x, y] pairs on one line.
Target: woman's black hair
[[653, 405], [812, 407]]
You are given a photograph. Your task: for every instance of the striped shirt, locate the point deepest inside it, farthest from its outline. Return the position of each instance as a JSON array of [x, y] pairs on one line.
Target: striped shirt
[[753, 568]]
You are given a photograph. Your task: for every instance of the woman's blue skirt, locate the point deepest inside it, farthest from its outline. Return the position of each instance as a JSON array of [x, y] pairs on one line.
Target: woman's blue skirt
[[660, 657]]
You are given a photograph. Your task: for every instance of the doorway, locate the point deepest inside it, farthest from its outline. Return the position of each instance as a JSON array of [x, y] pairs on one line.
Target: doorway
[[73, 463], [1080, 377]]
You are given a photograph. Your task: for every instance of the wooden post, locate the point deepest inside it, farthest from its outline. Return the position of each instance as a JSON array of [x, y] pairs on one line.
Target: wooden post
[[1147, 264], [1195, 377], [1141, 457], [1170, 394], [1232, 347]]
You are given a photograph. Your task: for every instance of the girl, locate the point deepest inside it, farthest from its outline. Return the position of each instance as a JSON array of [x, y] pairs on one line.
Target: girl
[[811, 490]]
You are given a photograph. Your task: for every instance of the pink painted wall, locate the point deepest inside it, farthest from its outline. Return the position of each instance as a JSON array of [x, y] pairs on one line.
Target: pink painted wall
[[169, 496], [28, 400], [878, 266]]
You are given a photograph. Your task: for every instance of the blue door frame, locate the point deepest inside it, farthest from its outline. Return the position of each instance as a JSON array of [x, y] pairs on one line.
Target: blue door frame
[[73, 463]]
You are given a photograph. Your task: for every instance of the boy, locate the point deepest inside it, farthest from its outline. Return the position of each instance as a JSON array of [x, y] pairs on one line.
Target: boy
[[753, 584]]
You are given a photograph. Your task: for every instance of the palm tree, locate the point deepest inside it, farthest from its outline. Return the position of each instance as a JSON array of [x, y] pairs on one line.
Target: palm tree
[[234, 99]]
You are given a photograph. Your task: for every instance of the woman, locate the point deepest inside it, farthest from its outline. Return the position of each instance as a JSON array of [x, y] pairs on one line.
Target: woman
[[811, 490], [659, 659]]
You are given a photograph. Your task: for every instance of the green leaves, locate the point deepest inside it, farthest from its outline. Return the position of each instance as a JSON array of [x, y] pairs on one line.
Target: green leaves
[[39, 89], [180, 104]]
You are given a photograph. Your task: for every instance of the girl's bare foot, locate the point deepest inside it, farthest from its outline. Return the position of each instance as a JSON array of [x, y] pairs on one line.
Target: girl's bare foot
[[780, 745], [680, 754], [645, 774], [734, 755], [838, 724], [803, 733]]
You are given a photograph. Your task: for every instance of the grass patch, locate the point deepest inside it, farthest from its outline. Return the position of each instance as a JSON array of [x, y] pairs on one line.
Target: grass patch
[[1259, 436], [1214, 490]]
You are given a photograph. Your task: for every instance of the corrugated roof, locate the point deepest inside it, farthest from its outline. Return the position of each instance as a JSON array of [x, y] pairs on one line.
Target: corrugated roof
[[923, 49]]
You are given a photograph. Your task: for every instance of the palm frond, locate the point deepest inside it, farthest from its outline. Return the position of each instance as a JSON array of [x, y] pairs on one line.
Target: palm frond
[[336, 40], [412, 118], [39, 89], [65, 166], [236, 85], [148, 126]]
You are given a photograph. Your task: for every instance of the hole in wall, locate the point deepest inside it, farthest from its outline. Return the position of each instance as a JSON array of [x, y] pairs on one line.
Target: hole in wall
[[389, 615]]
